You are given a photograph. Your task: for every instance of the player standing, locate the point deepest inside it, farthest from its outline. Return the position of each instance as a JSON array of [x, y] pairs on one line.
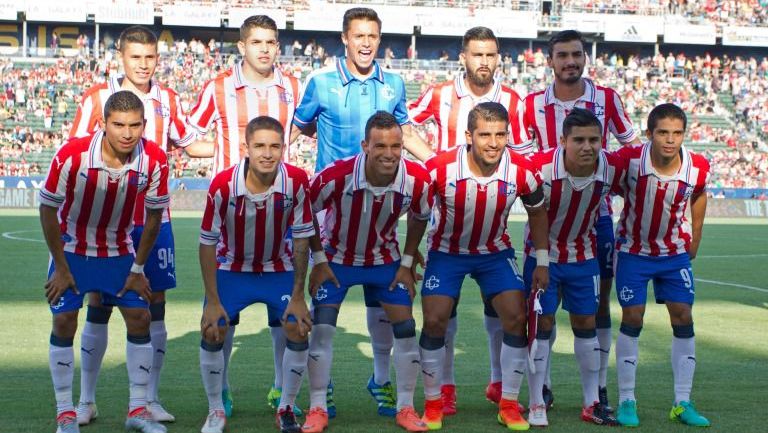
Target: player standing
[[250, 207], [577, 177], [340, 99], [86, 211], [448, 105], [253, 87], [137, 50], [545, 112], [656, 242], [475, 186], [363, 197]]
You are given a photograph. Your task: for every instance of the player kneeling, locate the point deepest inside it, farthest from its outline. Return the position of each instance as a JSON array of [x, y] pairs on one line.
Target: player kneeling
[[250, 206], [86, 210], [577, 177]]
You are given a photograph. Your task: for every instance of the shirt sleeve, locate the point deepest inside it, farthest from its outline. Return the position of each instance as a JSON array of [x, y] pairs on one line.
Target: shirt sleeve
[[422, 109], [320, 191], [401, 110], [213, 216], [157, 196], [202, 115], [309, 104], [177, 128], [301, 225], [618, 121], [54, 189], [87, 116], [704, 174]]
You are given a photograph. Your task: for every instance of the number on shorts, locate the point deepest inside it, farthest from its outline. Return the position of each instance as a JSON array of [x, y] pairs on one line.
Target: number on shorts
[[687, 280], [165, 257], [609, 255], [596, 284]]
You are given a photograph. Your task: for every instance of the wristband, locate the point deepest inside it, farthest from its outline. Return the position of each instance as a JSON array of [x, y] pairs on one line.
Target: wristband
[[542, 258], [406, 261], [318, 257], [137, 268]]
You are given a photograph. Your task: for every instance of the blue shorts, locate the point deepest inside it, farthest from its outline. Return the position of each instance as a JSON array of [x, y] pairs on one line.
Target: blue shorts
[[577, 283], [374, 279], [160, 268], [238, 290], [494, 273], [672, 279], [605, 245], [105, 275]]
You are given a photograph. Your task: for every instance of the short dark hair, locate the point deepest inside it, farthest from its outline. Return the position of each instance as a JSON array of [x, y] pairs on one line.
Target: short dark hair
[[366, 14], [137, 35], [666, 111], [563, 36], [264, 122], [488, 111], [478, 33], [257, 21], [580, 117], [380, 120], [123, 101]]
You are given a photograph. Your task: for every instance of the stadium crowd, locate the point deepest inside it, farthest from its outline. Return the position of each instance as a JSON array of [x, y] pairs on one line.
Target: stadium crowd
[[38, 100]]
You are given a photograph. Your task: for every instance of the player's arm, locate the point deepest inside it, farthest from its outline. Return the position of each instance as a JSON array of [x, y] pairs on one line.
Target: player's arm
[[539, 225], [297, 307], [200, 149], [210, 231], [136, 280], [698, 210], [414, 144], [405, 273], [62, 278], [321, 271]]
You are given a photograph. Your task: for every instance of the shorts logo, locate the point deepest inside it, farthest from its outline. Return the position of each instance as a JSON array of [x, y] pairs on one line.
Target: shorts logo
[[285, 298], [626, 294], [322, 293], [58, 305], [432, 283], [387, 92]]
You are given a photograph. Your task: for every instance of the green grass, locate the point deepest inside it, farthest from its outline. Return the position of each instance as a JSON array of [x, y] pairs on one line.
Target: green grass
[[730, 325]]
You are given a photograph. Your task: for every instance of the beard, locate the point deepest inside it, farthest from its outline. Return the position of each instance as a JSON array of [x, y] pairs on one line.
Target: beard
[[478, 80], [570, 79]]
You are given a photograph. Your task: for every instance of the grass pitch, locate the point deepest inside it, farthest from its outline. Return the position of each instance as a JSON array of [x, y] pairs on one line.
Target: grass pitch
[[730, 316]]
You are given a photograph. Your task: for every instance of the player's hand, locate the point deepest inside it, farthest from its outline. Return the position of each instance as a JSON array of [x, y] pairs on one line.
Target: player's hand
[[137, 283], [540, 278], [297, 307], [209, 324], [320, 274], [60, 281], [404, 280], [418, 260]]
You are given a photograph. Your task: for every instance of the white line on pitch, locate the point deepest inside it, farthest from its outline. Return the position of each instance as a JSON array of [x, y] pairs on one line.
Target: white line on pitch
[[12, 236], [728, 256], [723, 283]]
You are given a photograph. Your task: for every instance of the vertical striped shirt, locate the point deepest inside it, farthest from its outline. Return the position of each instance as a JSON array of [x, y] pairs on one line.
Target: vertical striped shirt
[[341, 104], [96, 203], [230, 101], [572, 212], [470, 213], [249, 229], [653, 221], [448, 104], [361, 220]]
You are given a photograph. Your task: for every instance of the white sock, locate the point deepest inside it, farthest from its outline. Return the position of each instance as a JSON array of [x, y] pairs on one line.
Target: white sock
[[294, 367], [278, 351], [605, 339], [626, 365], [495, 336], [211, 370], [536, 380], [61, 361], [683, 367], [138, 361], [229, 341], [407, 365], [450, 344], [159, 344], [432, 371], [93, 345], [552, 338], [319, 363], [514, 361], [587, 352], [382, 339]]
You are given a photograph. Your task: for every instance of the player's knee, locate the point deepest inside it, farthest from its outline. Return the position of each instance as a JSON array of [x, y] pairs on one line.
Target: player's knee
[[98, 314], [65, 324], [680, 314], [210, 335], [683, 331], [136, 320], [514, 322], [404, 329], [546, 322], [580, 321], [435, 325], [633, 316]]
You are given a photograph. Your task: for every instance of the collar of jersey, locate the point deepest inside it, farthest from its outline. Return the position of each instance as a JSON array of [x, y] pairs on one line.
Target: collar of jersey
[[683, 174], [559, 172], [115, 85], [359, 180], [493, 95], [238, 180], [588, 96], [95, 159], [347, 77], [502, 172], [240, 81]]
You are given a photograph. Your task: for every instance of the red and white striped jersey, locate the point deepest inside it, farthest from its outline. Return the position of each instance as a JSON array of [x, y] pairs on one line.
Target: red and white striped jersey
[[449, 104], [360, 226], [573, 210], [470, 213], [96, 203], [653, 221], [544, 115], [250, 229], [166, 123], [229, 101]]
